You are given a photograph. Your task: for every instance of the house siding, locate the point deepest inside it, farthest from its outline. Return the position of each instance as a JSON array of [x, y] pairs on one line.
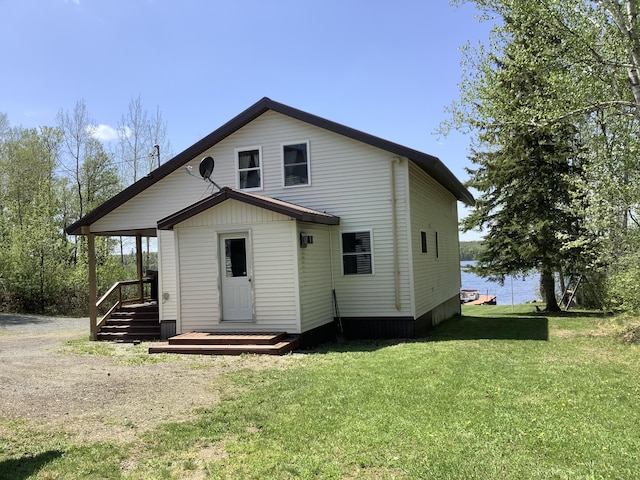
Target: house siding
[[436, 279], [350, 179], [168, 276], [273, 270], [314, 267]]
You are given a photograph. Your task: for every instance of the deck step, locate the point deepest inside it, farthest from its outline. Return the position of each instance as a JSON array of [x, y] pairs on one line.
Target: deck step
[[282, 347], [127, 336], [149, 322], [132, 322], [230, 338]]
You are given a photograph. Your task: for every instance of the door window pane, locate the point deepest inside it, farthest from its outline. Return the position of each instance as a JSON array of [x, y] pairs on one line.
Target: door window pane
[[235, 257]]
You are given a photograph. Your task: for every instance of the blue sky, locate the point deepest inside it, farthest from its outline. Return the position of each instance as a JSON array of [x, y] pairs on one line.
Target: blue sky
[[388, 68]]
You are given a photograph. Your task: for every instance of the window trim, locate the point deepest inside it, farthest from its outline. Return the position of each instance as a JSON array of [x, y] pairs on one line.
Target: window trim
[[284, 176], [237, 152], [359, 230]]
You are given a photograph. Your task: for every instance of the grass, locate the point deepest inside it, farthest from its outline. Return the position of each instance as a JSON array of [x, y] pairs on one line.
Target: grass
[[127, 353], [495, 394]]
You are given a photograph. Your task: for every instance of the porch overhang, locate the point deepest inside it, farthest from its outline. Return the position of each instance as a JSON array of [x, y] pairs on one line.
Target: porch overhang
[[127, 232], [292, 210]]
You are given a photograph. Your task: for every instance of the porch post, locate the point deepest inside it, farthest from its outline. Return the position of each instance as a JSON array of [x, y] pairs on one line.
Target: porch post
[[93, 309], [139, 266]]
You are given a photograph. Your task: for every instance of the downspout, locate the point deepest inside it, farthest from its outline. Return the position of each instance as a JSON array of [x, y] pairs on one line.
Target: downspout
[[394, 227]]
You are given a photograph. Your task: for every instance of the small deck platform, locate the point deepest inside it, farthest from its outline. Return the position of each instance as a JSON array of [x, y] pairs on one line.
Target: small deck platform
[[483, 300], [228, 343]]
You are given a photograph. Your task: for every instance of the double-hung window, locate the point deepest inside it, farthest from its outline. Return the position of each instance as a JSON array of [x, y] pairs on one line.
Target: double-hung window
[[295, 162], [356, 253], [249, 168]]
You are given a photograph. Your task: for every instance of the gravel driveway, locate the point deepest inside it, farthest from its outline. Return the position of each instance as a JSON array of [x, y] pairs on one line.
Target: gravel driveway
[[100, 397]]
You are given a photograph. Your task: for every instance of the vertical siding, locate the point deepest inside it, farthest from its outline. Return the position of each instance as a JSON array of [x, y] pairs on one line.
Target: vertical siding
[[433, 209], [314, 267], [167, 272], [271, 239]]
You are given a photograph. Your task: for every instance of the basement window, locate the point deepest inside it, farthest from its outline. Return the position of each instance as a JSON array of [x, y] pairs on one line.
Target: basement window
[[356, 253]]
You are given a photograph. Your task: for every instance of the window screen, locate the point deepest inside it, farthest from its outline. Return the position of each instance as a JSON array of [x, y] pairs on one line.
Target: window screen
[[356, 253]]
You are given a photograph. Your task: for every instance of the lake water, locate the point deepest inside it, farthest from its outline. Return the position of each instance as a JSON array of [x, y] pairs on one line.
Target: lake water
[[514, 291]]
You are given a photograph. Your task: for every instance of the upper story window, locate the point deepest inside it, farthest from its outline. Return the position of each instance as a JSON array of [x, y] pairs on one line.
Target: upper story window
[[295, 158], [249, 168], [356, 253]]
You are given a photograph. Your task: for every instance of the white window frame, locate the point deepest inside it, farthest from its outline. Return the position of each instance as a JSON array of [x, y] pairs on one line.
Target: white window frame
[[359, 230], [237, 152], [284, 175]]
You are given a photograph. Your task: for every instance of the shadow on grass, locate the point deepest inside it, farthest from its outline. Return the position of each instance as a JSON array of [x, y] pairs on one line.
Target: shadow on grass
[[25, 467], [501, 326], [508, 327]]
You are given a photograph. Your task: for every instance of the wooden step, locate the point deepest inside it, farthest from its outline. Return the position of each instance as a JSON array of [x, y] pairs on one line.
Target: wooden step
[[134, 321], [127, 336], [280, 348], [228, 338], [132, 327]]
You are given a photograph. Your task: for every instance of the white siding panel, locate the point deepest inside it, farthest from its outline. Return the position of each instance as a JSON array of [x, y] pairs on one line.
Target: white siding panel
[[433, 209], [198, 274], [349, 179], [167, 283], [314, 266], [275, 286], [273, 273]]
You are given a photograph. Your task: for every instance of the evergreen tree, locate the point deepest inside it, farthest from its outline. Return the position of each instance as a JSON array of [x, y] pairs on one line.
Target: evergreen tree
[[525, 172]]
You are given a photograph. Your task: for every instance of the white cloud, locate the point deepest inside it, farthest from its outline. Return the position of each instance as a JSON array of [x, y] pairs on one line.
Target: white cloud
[[104, 133]]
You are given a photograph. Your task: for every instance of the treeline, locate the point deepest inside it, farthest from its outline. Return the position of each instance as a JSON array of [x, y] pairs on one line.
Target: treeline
[[470, 250], [49, 177]]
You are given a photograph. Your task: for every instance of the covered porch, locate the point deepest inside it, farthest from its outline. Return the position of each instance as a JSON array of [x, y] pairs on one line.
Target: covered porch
[[129, 309]]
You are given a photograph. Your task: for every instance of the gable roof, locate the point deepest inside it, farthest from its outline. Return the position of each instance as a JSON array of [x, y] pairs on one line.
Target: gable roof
[[430, 164], [273, 204]]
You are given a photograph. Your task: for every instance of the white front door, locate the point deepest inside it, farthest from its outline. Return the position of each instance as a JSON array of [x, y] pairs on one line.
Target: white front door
[[235, 268]]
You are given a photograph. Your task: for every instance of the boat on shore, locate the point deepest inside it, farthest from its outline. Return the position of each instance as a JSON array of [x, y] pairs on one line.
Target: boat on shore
[[469, 295]]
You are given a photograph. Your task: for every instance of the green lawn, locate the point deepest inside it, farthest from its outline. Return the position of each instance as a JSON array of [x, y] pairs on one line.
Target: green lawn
[[493, 395]]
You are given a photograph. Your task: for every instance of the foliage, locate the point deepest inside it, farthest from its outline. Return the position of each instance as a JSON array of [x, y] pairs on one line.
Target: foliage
[[584, 58], [524, 172], [49, 177], [470, 250], [492, 395]]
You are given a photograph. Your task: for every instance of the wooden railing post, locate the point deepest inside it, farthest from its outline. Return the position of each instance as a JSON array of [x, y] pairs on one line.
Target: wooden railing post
[[139, 266], [93, 308]]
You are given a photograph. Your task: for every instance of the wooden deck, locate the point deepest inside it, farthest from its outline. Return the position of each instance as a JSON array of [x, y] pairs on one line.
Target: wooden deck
[[483, 300], [225, 343]]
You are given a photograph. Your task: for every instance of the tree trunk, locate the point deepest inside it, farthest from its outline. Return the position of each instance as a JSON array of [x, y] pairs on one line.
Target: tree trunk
[[549, 289]]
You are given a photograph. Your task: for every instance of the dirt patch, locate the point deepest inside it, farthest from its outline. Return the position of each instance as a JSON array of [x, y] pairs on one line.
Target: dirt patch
[[99, 397]]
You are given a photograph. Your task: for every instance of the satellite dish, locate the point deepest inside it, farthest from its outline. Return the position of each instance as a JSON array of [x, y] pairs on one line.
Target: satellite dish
[[206, 167]]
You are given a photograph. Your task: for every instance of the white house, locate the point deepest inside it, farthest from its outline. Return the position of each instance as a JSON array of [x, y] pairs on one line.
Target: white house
[[307, 211]]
